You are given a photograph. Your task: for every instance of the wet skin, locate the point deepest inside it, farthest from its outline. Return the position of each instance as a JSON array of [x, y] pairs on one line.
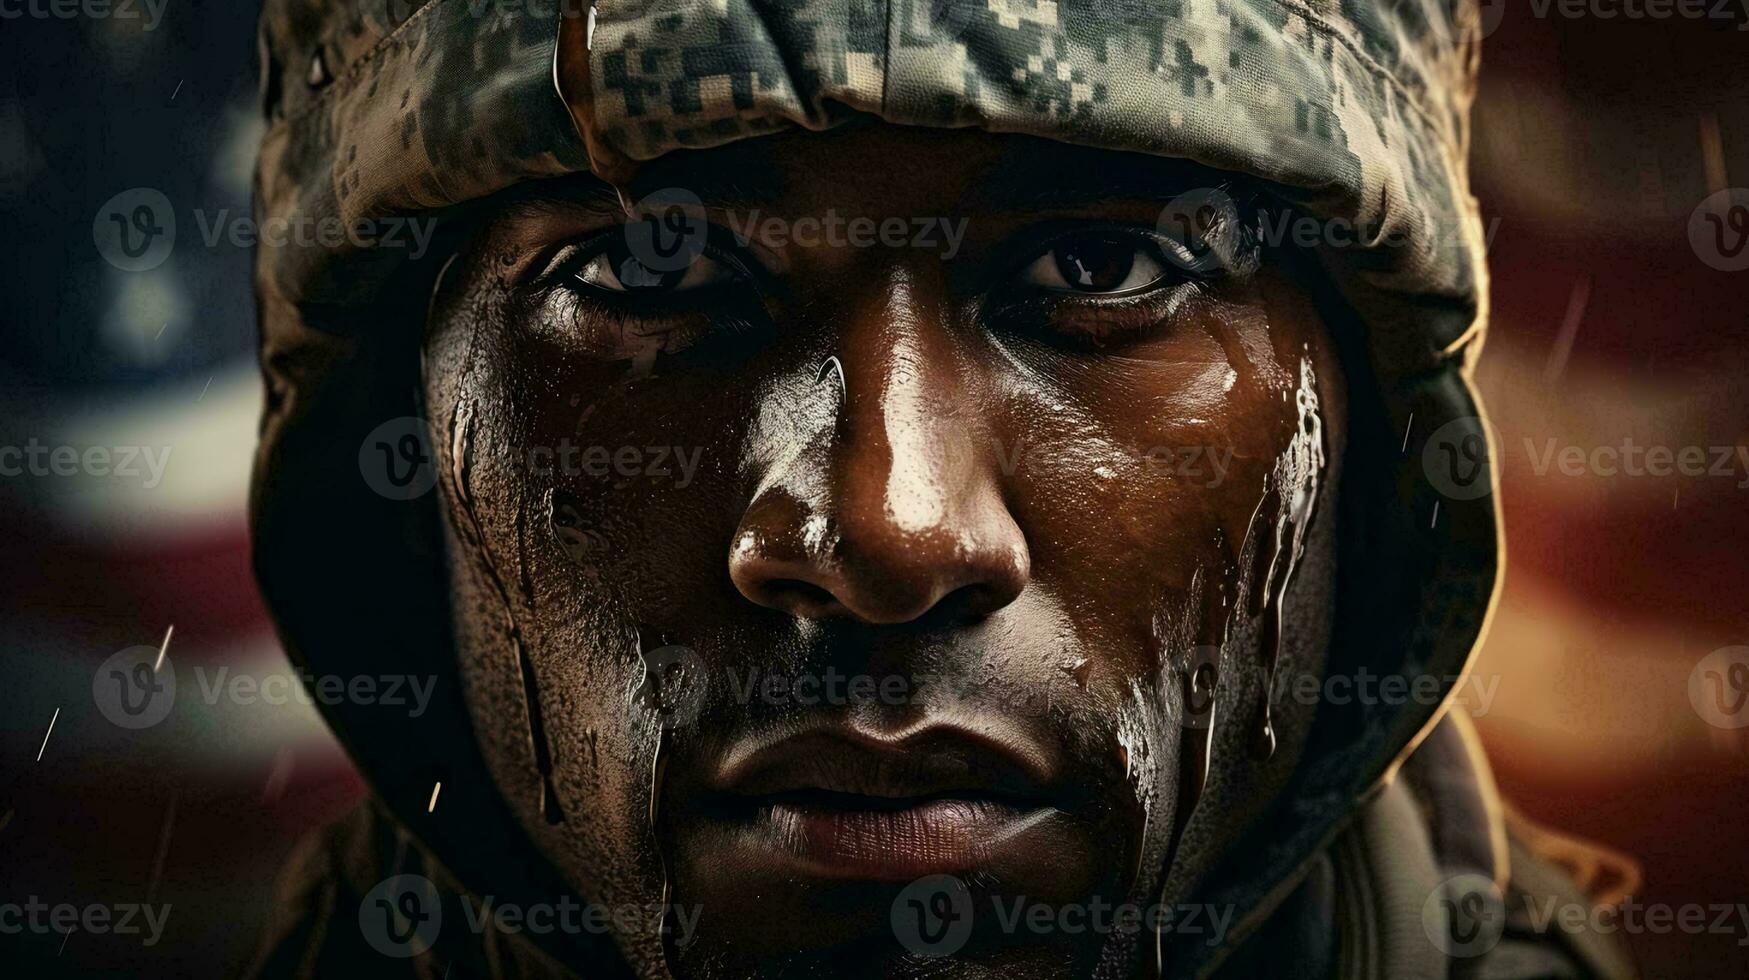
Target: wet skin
[[928, 608]]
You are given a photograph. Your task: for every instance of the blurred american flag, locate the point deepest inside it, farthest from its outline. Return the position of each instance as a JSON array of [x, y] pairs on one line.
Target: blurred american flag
[[1595, 142]]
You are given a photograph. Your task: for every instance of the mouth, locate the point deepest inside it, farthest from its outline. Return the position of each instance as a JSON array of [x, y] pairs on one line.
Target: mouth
[[840, 805]]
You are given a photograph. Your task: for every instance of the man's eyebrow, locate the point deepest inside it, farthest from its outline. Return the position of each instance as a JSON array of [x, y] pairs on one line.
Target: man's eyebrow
[[1059, 177], [579, 191], [734, 177]]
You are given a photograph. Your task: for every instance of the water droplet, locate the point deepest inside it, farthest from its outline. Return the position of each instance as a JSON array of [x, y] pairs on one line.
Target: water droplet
[[318, 73], [1079, 671]]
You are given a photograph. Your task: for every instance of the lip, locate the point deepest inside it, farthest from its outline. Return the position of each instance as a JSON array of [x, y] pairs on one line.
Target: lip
[[843, 804]]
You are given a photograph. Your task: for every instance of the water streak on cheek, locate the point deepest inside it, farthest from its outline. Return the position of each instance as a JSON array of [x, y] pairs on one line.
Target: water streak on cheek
[[667, 687], [523, 575], [1198, 675], [1261, 571], [1139, 727], [1295, 483], [468, 522], [658, 775]]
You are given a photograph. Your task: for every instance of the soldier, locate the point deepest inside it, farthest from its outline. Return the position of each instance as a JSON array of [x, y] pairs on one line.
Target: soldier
[[926, 665]]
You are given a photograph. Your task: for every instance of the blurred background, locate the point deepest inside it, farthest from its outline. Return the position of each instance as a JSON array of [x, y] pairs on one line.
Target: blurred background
[[1620, 312]]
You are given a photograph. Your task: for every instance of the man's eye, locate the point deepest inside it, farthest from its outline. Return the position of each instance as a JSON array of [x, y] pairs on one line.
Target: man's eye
[[617, 269], [1096, 265]]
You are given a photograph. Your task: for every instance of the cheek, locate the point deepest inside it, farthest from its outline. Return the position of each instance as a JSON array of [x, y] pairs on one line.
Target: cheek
[[631, 475], [573, 503], [1137, 473]]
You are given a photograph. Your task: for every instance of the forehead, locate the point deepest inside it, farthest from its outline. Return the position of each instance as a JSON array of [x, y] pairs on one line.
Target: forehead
[[936, 171]]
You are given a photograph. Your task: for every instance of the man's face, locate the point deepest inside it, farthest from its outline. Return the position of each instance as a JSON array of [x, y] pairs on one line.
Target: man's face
[[877, 532]]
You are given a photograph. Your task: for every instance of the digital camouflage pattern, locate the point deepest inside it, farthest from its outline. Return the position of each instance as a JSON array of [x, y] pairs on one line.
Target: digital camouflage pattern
[[1356, 110], [1352, 111]]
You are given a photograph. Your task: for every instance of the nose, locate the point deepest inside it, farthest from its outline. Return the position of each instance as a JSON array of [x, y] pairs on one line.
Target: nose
[[896, 512]]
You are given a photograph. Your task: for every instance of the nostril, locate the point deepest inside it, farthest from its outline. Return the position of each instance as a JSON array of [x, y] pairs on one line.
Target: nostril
[[961, 607], [792, 593]]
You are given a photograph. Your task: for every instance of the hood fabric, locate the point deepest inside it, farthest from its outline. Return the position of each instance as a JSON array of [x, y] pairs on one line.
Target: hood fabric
[[1350, 111]]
